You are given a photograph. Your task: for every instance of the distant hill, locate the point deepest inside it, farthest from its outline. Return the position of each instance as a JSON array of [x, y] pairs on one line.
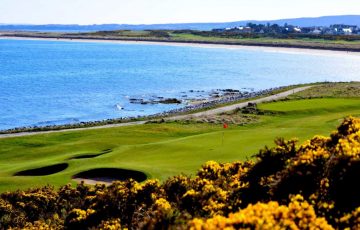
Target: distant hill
[[318, 21]]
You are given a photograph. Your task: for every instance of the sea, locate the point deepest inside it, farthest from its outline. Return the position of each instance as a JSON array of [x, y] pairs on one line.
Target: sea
[[44, 82]]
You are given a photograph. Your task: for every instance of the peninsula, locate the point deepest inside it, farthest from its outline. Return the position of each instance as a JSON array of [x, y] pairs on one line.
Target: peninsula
[[349, 43]]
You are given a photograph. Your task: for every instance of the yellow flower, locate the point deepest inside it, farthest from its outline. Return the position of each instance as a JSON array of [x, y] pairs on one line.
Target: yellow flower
[[163, 204], [297, 215]]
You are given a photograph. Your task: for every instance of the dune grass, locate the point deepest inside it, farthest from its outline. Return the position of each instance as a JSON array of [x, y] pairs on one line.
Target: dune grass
[[264, 40], [165, 149]]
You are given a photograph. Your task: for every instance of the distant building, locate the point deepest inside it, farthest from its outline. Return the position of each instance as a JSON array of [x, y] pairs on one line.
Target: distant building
[[316, 31], [336, 29], [343, 29], [297, 30], [347, 31], [246, 30]]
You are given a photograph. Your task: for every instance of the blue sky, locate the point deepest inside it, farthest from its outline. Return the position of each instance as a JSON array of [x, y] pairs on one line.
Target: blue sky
[[166, 11]]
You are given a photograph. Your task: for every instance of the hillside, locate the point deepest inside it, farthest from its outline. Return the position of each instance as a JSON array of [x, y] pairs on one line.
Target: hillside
[[290, 186]]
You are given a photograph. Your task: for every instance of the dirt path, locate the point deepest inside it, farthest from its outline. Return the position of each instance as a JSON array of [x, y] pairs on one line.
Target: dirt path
[[239, 105], [180, 117]]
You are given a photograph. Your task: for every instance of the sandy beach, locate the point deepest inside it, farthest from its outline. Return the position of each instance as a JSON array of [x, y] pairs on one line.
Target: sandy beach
[[260, 48]]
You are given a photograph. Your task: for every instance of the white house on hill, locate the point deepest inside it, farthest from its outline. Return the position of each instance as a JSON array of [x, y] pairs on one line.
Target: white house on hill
[[347, 31]]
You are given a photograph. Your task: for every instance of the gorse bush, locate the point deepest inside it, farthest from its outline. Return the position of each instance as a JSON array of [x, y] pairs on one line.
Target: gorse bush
[[289, 186]]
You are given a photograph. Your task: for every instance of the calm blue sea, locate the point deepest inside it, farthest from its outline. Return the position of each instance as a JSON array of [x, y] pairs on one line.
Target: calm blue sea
[[57, 82]]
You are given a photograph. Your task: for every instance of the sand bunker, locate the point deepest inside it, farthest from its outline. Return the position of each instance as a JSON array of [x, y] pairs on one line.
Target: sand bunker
[[85, 156], [43, 171], [108, 175]]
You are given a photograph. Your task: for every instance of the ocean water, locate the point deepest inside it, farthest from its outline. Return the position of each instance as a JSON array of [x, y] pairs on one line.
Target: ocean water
[[59, 82]]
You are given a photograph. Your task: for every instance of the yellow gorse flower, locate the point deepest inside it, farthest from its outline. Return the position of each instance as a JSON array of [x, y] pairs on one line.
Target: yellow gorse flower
[[266, 216]]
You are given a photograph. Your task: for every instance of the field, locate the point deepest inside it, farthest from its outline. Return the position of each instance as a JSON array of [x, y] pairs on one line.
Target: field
[[188, 36], [166, 149]]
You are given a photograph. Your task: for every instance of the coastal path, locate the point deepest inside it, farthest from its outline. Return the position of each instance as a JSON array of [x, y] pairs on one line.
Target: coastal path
[[178, 117]]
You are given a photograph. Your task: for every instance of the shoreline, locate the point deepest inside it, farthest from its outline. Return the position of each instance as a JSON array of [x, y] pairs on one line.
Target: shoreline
[[267, 95], [184, 110], [275, 48]]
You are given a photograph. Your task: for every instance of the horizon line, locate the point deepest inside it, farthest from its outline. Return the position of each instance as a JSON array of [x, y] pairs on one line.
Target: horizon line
[[174, 23]]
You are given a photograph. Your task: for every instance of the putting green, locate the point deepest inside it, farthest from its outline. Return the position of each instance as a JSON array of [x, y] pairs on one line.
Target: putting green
[[163, 150]]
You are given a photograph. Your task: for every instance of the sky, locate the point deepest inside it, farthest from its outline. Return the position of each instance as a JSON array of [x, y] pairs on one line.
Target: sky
[[165, 11]]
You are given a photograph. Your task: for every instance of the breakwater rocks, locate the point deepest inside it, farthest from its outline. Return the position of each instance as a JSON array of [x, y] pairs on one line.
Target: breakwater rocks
[[191, 97], [160, 100], [217, 97], [229, 96]]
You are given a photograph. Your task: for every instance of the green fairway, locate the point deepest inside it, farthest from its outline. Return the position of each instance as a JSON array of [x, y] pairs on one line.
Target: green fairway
[[312, 106], [166, 149]]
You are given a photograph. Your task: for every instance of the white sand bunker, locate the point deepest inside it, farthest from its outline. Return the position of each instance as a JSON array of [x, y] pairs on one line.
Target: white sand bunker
[[108, 175]]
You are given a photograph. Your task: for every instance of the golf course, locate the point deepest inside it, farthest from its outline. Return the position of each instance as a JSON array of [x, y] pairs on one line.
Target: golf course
[[164, 149]]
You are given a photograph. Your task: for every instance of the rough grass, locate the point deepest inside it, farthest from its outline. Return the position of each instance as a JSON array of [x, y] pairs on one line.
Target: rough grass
[[344, 89], [185, 36], [233, 117]]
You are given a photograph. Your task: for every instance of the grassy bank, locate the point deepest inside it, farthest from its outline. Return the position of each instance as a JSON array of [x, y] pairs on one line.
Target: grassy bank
[[339, 43], [165, 149]]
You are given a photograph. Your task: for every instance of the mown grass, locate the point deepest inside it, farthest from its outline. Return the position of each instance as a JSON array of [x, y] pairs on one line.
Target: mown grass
[[166, 149]]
